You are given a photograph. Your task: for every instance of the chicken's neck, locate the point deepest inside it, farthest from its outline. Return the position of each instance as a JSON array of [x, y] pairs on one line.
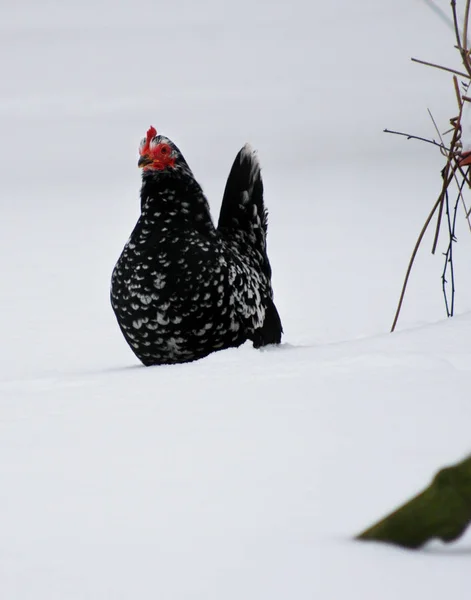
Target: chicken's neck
[[171, 201]]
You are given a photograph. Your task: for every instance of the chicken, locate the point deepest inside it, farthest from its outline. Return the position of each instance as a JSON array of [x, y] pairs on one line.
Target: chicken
[[181, 288]]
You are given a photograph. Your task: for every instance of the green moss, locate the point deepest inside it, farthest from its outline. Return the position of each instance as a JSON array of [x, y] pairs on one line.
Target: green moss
[[441, 511]]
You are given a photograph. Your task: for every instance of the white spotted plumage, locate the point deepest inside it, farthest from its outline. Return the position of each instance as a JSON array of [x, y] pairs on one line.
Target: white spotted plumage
[[182, 288]]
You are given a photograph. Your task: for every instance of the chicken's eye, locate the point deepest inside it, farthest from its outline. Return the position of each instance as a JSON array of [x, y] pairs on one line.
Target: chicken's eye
[[164, 150]]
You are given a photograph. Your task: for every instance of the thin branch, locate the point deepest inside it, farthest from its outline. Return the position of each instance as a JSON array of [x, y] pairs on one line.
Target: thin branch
[[455, 23], [439, 221], [409, 136], [465, 177], [446, 182], [451, 169], [449, 130], [465, 54], [444, 191], [452, 240], [465, 27], [462, 47], [411, 261], [446, 177], [457, 92], [435, 125], [444, 152], [448, 257], [450, 306], [435, 66]]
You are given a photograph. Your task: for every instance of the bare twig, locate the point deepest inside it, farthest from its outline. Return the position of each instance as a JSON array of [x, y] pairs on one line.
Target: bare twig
[[452, 170], [444, 190], [443, 150], [435, 66], [452, 152], [457, 92], [462, 43], [448, 260], [448, 266], [452, 240], [412, 259], [466, 180], [455, 24], [409, 136], [435, 125], [439, 220], [465, 28]]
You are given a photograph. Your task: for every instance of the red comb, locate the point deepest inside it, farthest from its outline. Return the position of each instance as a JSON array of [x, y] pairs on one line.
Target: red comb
[[151, 133]]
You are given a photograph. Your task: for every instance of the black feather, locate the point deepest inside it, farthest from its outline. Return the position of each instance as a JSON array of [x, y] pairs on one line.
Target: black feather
[[182, 289]]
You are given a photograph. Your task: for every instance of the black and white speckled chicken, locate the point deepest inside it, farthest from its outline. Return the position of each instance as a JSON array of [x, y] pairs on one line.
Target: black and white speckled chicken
[[181, 288]]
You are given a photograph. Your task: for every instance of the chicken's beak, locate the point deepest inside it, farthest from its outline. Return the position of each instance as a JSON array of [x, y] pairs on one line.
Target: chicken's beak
[[144, 160]]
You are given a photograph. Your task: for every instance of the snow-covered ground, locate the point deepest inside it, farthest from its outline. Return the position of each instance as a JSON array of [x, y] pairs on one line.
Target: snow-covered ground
[[247, 474]]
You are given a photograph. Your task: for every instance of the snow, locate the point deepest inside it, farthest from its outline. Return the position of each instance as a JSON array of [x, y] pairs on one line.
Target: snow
[[246, 474]]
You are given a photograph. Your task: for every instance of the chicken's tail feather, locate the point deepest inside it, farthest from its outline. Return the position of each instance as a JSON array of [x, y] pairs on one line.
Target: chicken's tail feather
[[242, 206], [243, 220]]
